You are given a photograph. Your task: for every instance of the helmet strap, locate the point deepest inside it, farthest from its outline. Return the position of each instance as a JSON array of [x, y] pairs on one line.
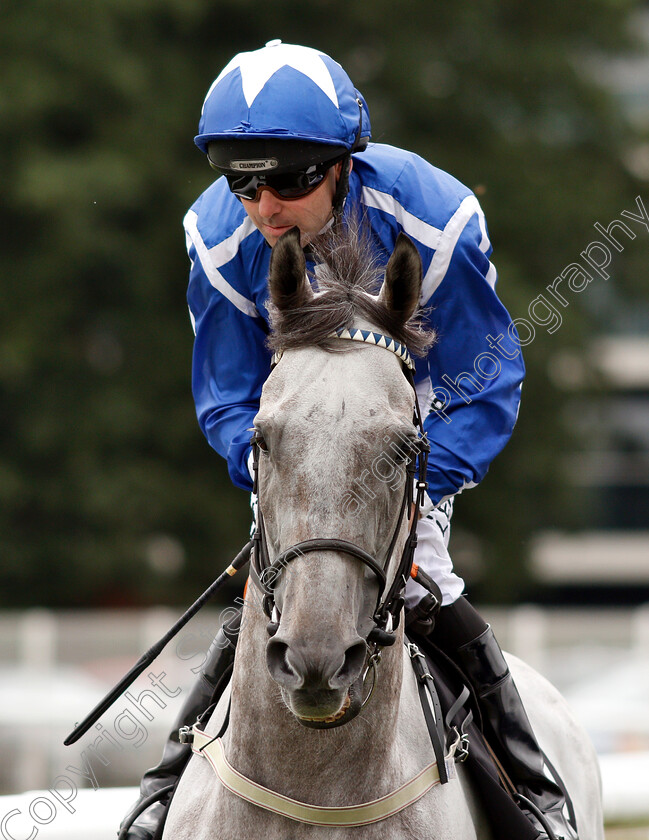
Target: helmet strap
[[343, 182], [342, 188]]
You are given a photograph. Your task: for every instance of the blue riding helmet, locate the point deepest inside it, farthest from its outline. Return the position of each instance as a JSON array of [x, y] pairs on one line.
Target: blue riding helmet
[[278, 93]]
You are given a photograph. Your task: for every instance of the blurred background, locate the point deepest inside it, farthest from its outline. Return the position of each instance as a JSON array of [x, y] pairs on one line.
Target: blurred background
[[115, 513]]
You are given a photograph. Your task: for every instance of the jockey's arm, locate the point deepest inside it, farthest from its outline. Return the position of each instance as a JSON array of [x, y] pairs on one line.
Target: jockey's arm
[[230, 365], [475, 369]]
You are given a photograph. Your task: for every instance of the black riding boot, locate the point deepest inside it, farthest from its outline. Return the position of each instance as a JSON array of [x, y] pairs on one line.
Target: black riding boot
[[207, 689], [506, 723]]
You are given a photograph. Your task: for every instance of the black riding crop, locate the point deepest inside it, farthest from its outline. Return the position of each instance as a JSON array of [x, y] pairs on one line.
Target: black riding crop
[[146, 659]]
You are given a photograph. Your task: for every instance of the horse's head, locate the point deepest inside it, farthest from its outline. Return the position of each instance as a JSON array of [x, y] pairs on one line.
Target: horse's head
[[334, 431]]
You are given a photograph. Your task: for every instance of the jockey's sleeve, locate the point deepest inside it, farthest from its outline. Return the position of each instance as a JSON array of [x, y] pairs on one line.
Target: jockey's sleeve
[[475, 369], [230, 363], [471, 380]]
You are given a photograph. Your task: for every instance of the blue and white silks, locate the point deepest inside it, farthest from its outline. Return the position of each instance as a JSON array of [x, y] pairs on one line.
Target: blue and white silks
[[475, 368]]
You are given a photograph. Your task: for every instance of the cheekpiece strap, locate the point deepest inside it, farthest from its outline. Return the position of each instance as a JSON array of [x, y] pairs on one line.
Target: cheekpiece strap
[[367, 337]]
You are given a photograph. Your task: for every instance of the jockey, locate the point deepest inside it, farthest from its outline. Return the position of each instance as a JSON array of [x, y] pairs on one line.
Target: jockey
[[289, 134]]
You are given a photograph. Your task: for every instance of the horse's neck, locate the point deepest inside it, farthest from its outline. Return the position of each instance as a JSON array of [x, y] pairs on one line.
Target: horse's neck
[[267, 743]]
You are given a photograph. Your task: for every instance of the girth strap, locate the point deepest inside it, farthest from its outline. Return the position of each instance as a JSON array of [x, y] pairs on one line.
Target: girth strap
[[353, 815]]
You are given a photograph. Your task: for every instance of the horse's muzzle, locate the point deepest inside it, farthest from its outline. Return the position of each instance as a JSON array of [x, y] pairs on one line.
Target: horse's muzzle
[[318, 688]]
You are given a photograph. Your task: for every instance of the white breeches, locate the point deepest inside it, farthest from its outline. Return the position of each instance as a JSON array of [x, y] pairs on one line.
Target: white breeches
[[433, 532]]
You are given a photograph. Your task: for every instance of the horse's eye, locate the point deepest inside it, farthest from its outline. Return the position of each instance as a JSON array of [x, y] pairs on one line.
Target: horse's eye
[[258, 438]]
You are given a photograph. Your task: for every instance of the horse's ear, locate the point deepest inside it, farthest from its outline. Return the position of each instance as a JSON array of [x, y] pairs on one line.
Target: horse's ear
[[287, 281], [402, 284]]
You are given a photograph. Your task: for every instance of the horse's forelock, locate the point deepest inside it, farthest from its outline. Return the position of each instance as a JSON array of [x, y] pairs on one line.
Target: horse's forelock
[[347, 278]]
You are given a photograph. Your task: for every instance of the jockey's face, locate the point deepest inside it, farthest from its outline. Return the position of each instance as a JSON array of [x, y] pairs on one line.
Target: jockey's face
[[273, 216]]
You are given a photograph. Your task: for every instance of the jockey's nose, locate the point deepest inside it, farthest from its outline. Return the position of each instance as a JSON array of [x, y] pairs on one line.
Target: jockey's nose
[[269, 204]]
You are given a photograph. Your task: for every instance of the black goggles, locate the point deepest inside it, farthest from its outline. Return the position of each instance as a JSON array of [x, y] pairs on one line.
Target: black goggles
[[286, 185]]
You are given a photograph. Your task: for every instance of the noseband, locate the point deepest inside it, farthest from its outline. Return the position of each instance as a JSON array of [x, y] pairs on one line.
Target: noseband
[[391, 597]]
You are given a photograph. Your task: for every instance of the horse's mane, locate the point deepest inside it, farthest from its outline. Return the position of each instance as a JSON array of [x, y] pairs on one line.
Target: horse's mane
[[347, 278]]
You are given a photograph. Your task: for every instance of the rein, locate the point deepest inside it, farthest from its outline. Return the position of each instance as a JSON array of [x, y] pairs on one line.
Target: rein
[[391, 598]]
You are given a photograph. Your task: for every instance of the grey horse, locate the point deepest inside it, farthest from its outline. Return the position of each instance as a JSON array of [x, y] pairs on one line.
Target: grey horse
[[328, 409]]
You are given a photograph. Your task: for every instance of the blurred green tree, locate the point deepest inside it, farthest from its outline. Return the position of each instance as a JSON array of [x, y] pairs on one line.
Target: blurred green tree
[[108, 493]]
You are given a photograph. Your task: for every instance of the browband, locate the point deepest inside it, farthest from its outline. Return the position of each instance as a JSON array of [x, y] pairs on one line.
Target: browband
[[367, 337]]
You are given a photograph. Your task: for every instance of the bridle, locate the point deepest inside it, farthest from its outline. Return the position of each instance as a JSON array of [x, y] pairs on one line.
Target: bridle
[[390, 600]]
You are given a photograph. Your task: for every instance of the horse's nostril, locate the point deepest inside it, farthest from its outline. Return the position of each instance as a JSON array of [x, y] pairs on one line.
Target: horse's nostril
[[295, 667], [279, 666], [352, 666]]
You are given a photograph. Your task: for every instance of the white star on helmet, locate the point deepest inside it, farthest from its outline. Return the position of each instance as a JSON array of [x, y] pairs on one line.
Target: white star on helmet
[[257, 68]]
